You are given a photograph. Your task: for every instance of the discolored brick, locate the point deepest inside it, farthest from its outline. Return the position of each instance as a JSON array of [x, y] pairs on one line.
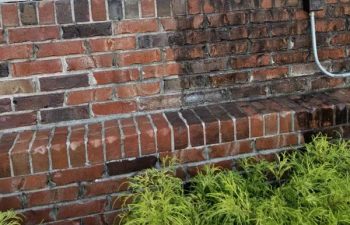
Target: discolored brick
[[28, 13], [81, 10], [131, 9], [115, 8], [36, 102], [87, 30], [64, 114], [4, 70], [53, 83], [63, 11]]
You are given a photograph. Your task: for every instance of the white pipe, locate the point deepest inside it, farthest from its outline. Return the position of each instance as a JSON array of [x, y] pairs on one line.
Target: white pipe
[[314, 48]]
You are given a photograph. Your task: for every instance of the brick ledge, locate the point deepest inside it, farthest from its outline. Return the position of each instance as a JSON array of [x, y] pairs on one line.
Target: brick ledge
[[253, 125]]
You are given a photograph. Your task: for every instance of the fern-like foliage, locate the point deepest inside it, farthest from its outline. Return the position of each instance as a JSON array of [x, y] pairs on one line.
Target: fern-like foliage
[[309, 187], [9, 218]]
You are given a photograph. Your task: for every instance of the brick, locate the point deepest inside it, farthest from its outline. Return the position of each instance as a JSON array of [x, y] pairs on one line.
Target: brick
[[5, 105], [64, 114], [4, 70], [116, 76], [131, 9], [55, 195], [115, 8], [23, 183], [271, 124], [15, 52], [194, 6], [142, 89], [159, 40], [112, 44], [10, 202], [6, 142], [2, 38], [107, 186], [340, 39], [77, 147], [81, 10], [95, 144], [128, 166], [139, 57], [90, 62], [147, 135], [36, 67], [98, 10], [53, 83], [290, 57], [16, 86], [9, 14], [180, 130], [195, 128], [59, 48], [330, 25], [20, 155], [39, 151], [163, 133], [148, 8], [37, 216], [212, 129], [230, 149], [86, 30], [185, 53], [130, 138], [63, 12], [226, 123], [160, 102], [18, 120], [163, 8], [86, 96], [250, 61], [136, 26], [28, 13], [179, 7], [109, 108], [59, 156], [77, 209], [191, 155], [36, 102], [112, 140], [42, 33], [161, 70], [222, 49], [269, 74], [46, 11]]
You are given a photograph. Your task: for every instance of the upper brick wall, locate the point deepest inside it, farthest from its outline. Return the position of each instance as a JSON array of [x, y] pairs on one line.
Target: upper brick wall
[[82, 59]]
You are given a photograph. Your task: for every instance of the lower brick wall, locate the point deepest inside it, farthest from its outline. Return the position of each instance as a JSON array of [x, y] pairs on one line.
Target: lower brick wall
[[74, 174]]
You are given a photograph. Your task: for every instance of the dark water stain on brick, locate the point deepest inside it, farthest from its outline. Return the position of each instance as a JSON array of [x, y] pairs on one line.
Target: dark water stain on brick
[[128, 166], [4, 70]]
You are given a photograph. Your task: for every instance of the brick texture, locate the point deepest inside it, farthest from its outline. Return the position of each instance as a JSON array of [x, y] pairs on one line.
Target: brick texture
[[94, 89]]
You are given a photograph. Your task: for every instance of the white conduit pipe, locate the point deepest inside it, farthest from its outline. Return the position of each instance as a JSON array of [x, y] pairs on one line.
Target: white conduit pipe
[[314, 48]]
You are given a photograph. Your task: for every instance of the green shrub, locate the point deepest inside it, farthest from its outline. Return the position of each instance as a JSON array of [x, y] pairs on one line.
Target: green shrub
[[309, 187], [9, 218]]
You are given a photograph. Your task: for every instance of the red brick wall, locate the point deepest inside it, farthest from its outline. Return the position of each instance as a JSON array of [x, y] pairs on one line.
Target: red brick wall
[[72, 70], [81, 59]]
